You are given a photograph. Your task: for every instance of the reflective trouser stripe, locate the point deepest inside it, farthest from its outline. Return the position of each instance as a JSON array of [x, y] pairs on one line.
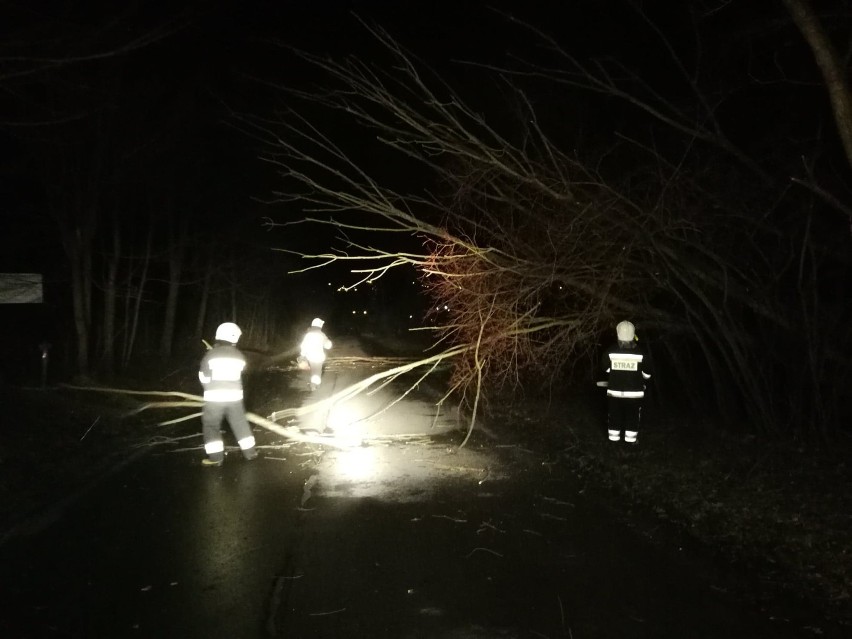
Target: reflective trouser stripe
[[626, 394], [213, 447], [223, 395], [614, 435], [630, 436], [246, 443]]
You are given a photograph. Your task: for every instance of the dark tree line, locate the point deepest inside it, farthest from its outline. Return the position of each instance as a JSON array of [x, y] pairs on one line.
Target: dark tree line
[[123, 170]]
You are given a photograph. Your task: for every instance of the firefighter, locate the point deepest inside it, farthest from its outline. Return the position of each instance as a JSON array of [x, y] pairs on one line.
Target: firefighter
[[313, 347], [627, 368], [220, 374]]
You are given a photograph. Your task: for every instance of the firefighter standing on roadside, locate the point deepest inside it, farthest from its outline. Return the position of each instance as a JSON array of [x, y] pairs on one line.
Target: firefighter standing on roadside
[[220, 374], [628, 368], [313, 347]]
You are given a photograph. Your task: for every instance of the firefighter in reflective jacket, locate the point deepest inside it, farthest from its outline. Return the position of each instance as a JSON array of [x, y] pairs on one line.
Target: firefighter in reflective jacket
[[628, 368], [313, 347], [220, 374]]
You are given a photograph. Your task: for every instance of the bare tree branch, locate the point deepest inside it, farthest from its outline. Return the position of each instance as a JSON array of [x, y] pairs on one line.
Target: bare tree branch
[[531, 252]]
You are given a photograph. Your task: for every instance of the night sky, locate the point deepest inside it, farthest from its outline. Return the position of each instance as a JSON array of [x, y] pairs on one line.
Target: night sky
[[171, 76], [167, 79]]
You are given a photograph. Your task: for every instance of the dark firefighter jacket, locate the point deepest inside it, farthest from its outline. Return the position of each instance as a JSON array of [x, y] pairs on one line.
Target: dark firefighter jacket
[[627, 369]]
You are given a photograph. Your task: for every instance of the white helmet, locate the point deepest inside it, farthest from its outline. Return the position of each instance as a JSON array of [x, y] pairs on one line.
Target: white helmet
[[625, 331], [317, 322], [228, 332]]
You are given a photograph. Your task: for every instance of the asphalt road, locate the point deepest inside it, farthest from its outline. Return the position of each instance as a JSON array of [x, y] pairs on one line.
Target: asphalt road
[[389, 530]]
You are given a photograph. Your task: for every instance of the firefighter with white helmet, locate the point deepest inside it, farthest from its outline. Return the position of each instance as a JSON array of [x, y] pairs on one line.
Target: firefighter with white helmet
[[628, 368], [220, 374], [312, 349]]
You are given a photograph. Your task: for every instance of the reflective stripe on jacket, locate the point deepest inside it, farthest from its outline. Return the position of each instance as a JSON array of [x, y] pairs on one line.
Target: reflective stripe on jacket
[[220, 373]]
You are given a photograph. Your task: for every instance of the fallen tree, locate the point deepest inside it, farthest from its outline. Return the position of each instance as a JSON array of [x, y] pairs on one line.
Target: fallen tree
[[535, 252]]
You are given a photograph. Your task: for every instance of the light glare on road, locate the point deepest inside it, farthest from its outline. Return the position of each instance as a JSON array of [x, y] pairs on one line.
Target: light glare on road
[[356, 464]]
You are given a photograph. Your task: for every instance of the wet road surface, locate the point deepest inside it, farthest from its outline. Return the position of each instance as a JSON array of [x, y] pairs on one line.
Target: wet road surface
[[391, 532]]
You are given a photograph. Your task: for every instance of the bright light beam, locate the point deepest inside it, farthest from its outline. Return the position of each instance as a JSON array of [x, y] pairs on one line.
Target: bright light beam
[[356, 464]]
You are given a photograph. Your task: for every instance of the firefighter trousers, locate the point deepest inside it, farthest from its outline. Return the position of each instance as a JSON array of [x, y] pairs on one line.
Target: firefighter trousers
[[316, 371], [624, 414], [212, 414]]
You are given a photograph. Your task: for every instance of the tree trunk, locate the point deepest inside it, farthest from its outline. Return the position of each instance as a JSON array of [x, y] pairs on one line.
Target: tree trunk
[[830, 65], [233, 317], [177, 242], [139, 290], [205, 296], [78, 296], [110, 301]]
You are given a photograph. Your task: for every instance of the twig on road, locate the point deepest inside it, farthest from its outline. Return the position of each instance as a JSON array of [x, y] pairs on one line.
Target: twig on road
[[516, 447], [97, 419], [493, 552], [549, 516], [488, 525], [179, 419], [403, 437], [570, 634], [458, 521], [330, 612], [158, 440], [553, 500], [463, 469], [278, 446]]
